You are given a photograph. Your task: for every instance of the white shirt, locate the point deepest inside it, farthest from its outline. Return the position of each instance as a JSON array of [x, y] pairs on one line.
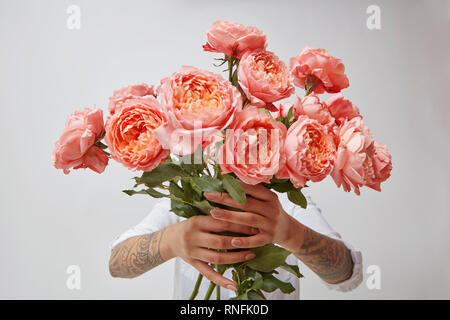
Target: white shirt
[[185, 275]]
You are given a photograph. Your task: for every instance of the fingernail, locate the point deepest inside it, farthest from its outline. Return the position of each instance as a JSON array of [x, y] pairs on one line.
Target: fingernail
[[216, 212], [231, 287], [210, 195], [250, 256], [236, 242]]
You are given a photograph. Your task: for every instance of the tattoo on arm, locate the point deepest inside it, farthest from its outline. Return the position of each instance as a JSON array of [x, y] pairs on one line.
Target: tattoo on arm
[[330, 259], [136, 255]]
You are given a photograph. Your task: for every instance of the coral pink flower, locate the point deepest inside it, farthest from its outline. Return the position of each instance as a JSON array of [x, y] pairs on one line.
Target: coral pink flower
[[377, 167], [341, 108], [234, 39], [312, 107], [355, 145], [309, 152], [198, 104], [264, 78], [284, 109], [130, 134], [75, 148], [317, 69], [253, 145], [120, 96]]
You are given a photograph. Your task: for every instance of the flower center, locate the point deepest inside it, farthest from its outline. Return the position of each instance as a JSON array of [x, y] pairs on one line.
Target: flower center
[[320, 151], [269, 67], [198, 98], [137, 132]]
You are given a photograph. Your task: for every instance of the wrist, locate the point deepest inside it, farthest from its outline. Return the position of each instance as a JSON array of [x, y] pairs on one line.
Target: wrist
[[168, 243], [293, 235]]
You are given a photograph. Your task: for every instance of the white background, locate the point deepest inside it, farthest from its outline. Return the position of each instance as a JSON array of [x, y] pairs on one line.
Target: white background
[[399, 78]]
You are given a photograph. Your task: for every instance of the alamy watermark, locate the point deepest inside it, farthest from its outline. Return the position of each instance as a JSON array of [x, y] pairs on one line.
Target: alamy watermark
[[73, 281], [373, 281], [74, 19], [373, 21]]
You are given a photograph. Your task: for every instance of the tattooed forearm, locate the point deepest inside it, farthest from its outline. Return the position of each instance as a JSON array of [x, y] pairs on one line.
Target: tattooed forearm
[[136, 255], [328, 258]]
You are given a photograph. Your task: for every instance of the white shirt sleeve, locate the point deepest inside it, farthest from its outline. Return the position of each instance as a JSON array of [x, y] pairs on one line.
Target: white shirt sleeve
[[159, 218], [313, 219]]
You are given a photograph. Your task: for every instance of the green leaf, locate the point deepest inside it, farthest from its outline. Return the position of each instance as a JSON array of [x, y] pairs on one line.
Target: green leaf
[[257, 282], [235, 276], [192, 169], [193, 163], [268, 258], [149, 191], [164, 172], [133, 192], [250, 287], [188, 190], [251, 283], [283, 186], [182, 209], [204, 206], [176, 190], [271, 283], [233, 187], [290, 113], [196, 188], [292, 269], [297, 197], [207, 184], [244, 286], [255, 295]]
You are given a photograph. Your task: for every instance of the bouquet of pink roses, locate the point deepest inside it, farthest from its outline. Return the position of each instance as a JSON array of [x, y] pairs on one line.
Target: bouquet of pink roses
[[198, 132]]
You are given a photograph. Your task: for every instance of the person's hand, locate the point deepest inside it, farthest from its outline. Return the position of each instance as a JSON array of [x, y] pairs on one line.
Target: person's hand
[[262, 211], [193, 241]]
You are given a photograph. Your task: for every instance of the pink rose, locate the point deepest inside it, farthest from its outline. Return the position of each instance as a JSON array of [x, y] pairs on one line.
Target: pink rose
[[377, 167], [316, 69], [75, 148], [130, 134], [312, 107], [309, 152], [284, 109], [252, 148], [198, 104], [264, 78], [341, 108], [234, 39], [355, 146], [120, 96]]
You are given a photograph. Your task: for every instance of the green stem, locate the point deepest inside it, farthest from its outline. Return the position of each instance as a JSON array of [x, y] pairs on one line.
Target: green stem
[[218, 293], [102, 147], [197, 286], [310, 84], [217, 171], [230, 69], [308, 91], [211, 287]]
